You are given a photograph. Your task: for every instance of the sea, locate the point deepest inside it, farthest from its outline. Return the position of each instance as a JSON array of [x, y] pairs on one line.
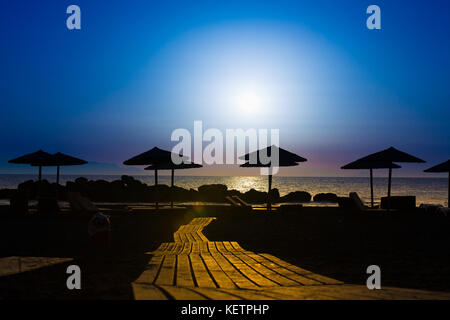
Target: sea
[[426, 190]]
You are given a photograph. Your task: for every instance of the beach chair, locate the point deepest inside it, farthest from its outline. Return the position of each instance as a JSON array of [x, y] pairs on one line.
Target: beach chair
[[357, 201], [231, 201], [354, 203], [240, 201], [78, 203]]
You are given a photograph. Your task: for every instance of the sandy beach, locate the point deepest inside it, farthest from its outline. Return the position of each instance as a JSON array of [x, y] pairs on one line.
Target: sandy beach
[[326, 241]]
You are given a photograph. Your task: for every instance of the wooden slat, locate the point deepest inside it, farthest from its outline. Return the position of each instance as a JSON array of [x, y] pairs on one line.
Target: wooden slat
[[167, 274], [221, 278], [147, 292], [232, 272], [216, 294], [162, 247], [300, 271], [244, 268], [195, 248], [184, 275], [187, 248], [151, 271], [201, 275], [249, 258], [180, 293]]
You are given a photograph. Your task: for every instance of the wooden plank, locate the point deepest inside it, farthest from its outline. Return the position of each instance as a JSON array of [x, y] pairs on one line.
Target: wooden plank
[[195, 248], [300, 271], [186, 249], [189, 237], [237, 246], [221, 278], [180, 293], [202, 236], [204, 248], [151, 270], [170, 246], [215, 294], [244, 268], [248, 258], [249, 294], [184, 275], [147, 292], [201, 275], [167, 274], [231, 271], [162, 247]]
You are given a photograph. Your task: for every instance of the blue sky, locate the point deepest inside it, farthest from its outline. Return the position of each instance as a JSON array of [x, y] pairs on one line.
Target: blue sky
[[137, 70]]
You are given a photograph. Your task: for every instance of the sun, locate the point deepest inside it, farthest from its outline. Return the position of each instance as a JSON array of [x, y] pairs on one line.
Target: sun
[[250, 102]]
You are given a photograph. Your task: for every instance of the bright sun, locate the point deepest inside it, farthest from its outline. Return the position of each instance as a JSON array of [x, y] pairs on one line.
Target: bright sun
[[249, 102]]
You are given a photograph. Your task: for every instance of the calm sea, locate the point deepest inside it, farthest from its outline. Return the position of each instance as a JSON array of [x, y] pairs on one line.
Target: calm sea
[[426, 190]]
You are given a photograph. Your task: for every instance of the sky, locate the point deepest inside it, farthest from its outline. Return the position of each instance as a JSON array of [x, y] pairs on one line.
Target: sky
[[137, 70]]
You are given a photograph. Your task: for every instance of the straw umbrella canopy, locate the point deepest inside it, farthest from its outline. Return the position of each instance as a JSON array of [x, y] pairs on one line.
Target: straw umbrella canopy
[[171, 166], [286, 159], [59, 159], [442, 167], [360, 164], [31, 158], [391, 155], [153, 156]]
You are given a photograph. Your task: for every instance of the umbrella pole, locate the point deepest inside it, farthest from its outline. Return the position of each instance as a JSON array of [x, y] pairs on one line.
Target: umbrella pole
[[171, 192], [269, 206], [39, 184], [389, 189], [156, 184], [371, 186], [57, 181], [389, 182]]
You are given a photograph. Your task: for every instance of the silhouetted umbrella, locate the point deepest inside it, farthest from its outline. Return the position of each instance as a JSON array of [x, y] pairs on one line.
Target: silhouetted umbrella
[[442, 167], [286, 159], [284, 155], [152, 157], [391, 155], [360, 164], [171, 166], [59, 159], [35, 157]]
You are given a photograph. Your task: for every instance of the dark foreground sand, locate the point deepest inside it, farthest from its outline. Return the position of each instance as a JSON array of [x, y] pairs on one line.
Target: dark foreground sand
[[411, 249]]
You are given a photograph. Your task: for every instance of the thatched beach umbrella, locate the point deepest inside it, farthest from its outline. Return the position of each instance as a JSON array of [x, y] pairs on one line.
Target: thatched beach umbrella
[[152, 157], [171, 166], [31, 158], [360, 164], [391, 155], [286, 159], [57, 160], [442, 167]]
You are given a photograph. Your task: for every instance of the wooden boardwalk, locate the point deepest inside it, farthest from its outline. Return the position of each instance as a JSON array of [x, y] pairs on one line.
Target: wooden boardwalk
[[194, 268]]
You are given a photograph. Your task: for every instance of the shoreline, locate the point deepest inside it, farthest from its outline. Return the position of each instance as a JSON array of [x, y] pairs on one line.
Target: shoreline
[[253, 189]]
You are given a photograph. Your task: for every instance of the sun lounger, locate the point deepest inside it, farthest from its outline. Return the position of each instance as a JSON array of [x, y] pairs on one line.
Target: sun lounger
[[233, 202], [241, 202], [357, 201], [354, 203], [79, 203]]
